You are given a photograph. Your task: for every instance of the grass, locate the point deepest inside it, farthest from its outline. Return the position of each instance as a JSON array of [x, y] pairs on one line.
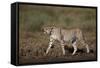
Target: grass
[[33, 43]]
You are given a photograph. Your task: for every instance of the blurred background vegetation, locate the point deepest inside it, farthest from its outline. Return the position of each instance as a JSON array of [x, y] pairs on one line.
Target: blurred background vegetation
[[33, 17]]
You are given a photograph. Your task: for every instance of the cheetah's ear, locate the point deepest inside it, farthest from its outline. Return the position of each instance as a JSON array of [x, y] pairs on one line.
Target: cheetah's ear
[[53, 25]]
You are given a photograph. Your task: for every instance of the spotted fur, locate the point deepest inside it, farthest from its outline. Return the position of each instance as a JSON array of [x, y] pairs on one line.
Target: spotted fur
[[65, 35]]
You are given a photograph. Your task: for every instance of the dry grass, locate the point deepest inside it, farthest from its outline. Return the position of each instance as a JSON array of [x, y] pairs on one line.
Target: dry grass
[[34, 45]]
